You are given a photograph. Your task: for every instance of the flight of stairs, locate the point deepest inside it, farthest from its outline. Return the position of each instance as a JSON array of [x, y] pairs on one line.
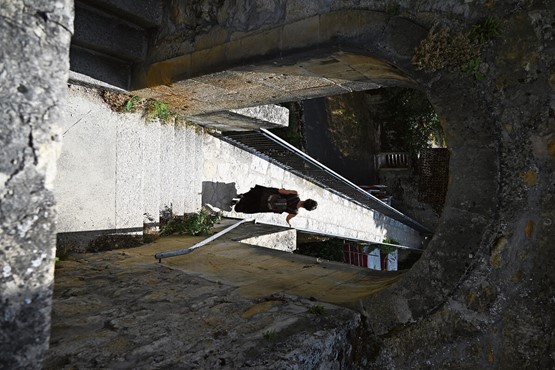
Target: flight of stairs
[[172, 170]]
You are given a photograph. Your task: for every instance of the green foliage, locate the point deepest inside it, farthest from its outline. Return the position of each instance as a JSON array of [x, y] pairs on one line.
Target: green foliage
[[160, 110], [390, 241], [317, 309], [410, 122], [456, 50], [388, 248], [133, 104], [174, 225], [472, 68], [270, 335], [331, 249], [194, 224], [201, 222], [444, 49], [485, 30]]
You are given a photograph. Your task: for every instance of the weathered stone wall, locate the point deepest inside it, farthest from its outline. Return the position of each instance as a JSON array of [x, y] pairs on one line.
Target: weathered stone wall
[[33, 69]]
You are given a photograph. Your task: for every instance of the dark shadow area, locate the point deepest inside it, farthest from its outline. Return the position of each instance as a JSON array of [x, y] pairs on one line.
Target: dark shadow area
[[97, 240], [218, 194], [366, 255]]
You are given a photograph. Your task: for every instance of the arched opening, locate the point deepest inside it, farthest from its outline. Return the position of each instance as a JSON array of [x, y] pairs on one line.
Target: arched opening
[[390, 142], [362, 51]]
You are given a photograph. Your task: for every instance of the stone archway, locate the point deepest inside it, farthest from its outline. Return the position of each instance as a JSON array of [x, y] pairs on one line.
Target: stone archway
[[310, 67], [493, 211]]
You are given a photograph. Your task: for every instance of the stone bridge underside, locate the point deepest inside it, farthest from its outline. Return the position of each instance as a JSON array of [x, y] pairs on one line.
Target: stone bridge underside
[[482, 291]]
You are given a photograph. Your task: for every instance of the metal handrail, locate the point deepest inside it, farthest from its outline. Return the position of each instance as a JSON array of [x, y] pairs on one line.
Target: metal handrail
[[181, 252], [279, 152]]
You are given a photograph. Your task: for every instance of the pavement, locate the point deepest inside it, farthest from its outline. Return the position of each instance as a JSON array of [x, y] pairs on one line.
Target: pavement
[[118, 171]]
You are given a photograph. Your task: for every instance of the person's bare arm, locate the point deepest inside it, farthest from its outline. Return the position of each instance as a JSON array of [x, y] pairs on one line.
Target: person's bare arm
[[287, 192], [289, 217]]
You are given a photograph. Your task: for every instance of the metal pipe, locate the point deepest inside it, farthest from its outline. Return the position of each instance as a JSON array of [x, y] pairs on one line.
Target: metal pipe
[[180, 252]]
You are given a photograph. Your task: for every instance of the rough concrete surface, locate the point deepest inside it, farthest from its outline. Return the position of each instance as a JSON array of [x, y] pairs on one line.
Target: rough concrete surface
[[104, 316]]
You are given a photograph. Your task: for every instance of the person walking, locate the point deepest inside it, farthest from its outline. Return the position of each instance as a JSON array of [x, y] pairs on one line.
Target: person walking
[[261, 199]]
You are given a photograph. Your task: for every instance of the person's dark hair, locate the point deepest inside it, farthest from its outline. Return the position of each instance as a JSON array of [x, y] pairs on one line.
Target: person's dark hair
[[310, 204]]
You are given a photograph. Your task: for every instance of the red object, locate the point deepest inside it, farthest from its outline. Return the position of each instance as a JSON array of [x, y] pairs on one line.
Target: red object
[[352, 254]]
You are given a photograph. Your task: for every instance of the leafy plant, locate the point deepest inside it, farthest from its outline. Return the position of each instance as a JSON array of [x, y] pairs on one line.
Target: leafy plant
[[160, 110], [174, 225], [133, 104], [201, 222], [388, 248], [317, 309], [193, 224], [444, 49], [472, 68], [410, 122], [485, 30], [331, 249]]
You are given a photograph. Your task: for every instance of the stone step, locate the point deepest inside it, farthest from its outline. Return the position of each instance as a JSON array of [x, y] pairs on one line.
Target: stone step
[[167, 167], [151, 172]]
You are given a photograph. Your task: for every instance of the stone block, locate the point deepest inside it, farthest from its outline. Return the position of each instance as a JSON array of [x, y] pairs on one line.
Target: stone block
[[261, 43], [351, 23], [208, 60], [216, 36], [301, 33], [274, 114], [151, 171], [129, 174]]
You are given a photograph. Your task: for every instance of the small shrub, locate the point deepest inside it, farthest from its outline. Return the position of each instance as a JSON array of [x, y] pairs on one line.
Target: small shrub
[[115, 100], [485, 30], [150, 237], [201, 222], [198, 223], [388, 248], [317, 309], [173, 225], [133, 104], [443, 49], [160, 110], [472, 68]]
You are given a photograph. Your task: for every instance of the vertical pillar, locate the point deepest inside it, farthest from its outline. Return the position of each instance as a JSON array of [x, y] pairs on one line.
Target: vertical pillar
[[34, 67]]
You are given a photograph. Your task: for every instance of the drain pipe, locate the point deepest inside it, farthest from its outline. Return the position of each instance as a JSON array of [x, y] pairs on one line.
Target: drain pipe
[[180, 252]]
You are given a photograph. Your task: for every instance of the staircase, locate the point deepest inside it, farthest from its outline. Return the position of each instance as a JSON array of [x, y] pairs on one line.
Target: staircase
[[111, 38], [171, 170], [117, 172]]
